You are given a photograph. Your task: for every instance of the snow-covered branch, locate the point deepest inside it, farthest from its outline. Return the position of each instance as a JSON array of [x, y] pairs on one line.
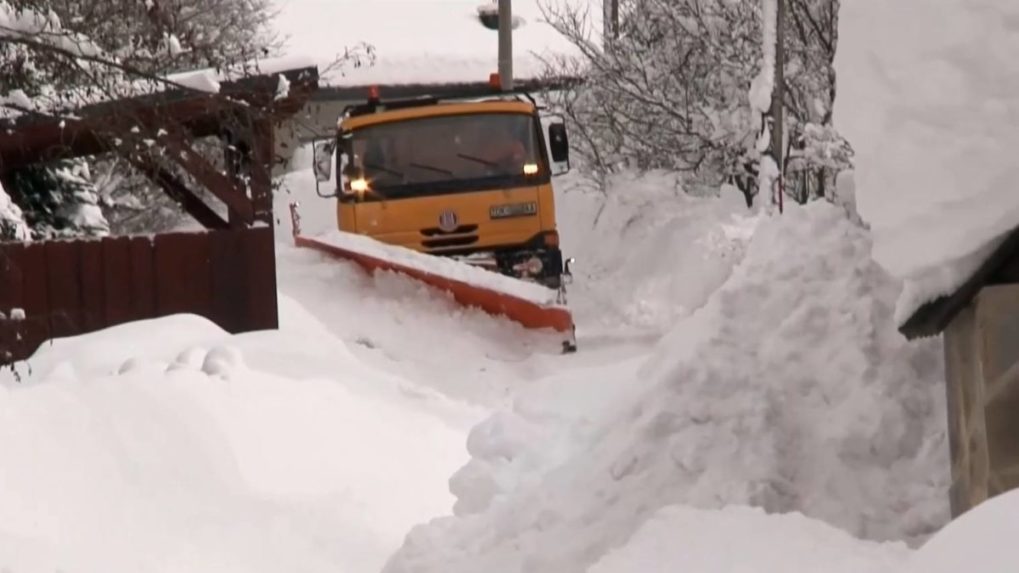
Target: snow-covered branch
[[685, 83]]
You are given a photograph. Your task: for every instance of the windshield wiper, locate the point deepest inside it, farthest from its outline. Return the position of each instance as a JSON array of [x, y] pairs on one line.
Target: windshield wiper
[[478, 159], [431, 168]]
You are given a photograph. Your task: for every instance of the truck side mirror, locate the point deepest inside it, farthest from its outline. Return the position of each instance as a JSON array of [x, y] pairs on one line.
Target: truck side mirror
[[558, 143], [322, 163]]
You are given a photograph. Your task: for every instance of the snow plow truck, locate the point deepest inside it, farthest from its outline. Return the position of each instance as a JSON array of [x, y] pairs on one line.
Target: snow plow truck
[[467, 179]]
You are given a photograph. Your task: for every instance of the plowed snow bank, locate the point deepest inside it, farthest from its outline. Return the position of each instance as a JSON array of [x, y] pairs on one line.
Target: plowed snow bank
[[790, 390]]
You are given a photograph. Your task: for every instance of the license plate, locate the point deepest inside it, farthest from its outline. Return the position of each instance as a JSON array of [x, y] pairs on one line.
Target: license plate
[[513, 210]]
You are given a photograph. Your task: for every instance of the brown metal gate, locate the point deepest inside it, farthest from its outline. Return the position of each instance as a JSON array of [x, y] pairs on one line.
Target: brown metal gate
[[54, 289]]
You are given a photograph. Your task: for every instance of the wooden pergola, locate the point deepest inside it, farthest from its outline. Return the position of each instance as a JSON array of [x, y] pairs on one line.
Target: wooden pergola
[[227, 273], [155, 131]]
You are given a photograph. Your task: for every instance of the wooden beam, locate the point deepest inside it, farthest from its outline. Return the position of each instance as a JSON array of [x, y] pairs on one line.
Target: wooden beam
[[261, 169], [223, 187], [179, 192], [34, 139]]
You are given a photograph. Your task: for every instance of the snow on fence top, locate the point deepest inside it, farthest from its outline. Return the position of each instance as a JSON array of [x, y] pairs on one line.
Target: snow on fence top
[[929, 100]]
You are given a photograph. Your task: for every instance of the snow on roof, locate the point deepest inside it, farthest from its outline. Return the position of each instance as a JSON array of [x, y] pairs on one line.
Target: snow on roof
[[929, 100], [208, 80], [419, 41]]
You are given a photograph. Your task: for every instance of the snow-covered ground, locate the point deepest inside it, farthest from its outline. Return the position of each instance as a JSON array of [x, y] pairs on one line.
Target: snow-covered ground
[[170, 445], [756, 365], [741, 400]]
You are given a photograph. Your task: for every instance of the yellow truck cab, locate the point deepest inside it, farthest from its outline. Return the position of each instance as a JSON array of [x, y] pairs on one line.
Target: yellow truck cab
[[469, 178]]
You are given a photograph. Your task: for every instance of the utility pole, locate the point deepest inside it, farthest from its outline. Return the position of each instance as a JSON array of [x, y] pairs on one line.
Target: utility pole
[[777, 101], [610, 21], [505, 45]]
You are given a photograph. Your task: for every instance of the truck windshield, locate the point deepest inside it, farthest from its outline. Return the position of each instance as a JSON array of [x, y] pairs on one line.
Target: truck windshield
[[448, 153]]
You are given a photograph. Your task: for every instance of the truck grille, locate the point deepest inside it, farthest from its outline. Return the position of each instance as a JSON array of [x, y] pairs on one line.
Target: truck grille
[[437, 239]]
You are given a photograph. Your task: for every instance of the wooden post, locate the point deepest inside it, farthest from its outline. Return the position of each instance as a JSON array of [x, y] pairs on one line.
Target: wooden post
[[610, 18]]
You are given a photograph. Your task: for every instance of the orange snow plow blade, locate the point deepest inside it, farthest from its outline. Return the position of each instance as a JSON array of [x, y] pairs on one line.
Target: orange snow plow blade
[[531, 305]]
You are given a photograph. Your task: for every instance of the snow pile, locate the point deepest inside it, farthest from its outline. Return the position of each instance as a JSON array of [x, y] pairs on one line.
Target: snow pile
[[170, 445], [647, 253], [928, 98], [746, 540], [982, 539], [790, 390]]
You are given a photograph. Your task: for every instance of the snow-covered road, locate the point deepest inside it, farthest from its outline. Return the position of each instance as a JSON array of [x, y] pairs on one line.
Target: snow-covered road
[[170, 443]]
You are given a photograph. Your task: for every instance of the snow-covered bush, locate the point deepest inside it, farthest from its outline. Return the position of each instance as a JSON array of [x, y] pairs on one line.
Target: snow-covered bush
[[816, 158], [59, 199], [12, 219]]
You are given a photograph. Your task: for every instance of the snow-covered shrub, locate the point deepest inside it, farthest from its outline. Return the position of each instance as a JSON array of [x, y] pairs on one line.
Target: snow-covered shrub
[[59, 199], [816, 159], [12, 220]]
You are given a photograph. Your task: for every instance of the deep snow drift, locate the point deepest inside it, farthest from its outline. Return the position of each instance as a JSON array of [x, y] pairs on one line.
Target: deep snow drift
[[790, 390], [982, 539], [739, 539], [170, 445], [929, 100]]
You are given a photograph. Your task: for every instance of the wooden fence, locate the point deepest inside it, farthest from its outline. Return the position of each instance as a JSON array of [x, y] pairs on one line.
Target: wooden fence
[[54, 289]]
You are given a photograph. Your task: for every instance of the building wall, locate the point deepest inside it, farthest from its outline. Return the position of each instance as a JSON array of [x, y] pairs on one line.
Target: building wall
[[982, 370]]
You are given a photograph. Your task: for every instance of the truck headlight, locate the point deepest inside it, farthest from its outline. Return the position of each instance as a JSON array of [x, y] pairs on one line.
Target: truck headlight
[[359, 185]]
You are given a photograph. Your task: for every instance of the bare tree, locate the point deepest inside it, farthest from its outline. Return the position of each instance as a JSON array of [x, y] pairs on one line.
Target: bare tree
[[671, 89]]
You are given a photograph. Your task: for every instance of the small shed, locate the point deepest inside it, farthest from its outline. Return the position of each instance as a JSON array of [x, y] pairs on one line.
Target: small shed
[[980, 324]]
